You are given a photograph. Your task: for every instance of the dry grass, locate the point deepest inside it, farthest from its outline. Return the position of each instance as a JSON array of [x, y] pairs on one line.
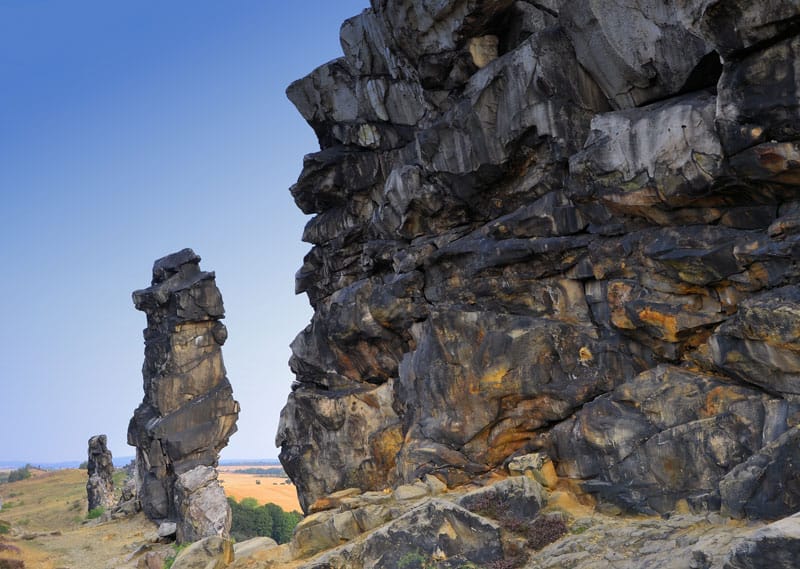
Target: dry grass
[[50, 508], [274, 490], [47, 514]]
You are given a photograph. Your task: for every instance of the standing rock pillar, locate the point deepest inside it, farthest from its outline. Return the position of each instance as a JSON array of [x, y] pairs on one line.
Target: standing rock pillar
[[100, 487], [188, 412]]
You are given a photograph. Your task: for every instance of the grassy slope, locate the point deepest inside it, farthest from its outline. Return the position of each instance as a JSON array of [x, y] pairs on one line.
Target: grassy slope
[[55, 501], [47, 514]]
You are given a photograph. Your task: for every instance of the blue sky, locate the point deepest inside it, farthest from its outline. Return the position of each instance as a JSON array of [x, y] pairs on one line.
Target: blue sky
[[129, 130]]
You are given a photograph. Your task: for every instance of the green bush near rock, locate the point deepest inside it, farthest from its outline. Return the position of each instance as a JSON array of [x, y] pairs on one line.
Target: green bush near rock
[[95, 513]]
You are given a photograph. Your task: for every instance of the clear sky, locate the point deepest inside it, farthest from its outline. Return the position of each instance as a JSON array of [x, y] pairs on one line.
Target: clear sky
[[129, 130]]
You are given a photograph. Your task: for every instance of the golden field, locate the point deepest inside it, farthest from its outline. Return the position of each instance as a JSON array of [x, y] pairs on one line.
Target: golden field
[[264, 489]]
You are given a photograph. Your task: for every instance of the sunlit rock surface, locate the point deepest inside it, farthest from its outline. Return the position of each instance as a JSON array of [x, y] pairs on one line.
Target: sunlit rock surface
[[567, 227]]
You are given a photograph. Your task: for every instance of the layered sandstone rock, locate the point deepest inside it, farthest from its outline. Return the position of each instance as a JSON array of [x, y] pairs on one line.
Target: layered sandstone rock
[[188, 412], [100, 468], [568, 227]]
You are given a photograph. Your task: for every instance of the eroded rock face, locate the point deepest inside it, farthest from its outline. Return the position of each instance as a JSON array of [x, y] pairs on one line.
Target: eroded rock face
[[567, 227], [188, 412], [100, 468]]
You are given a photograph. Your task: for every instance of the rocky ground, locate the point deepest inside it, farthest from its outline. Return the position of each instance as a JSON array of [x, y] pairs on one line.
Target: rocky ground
[[528, 520]]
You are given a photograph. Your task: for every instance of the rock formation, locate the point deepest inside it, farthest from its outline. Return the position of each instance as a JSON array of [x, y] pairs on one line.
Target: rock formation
[[564, 226], [188, 412], [100, 467]]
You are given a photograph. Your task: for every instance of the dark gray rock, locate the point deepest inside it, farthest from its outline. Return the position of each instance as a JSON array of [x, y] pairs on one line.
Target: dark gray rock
[[766, 485], [636, 54], [759, 97], [668, 434], [761, 344]]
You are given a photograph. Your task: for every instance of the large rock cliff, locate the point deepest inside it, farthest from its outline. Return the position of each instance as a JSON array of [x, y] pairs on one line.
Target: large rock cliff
[[567, 226]]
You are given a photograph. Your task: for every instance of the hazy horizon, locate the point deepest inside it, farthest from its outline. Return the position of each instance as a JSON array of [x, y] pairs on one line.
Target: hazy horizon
[[129, 131]]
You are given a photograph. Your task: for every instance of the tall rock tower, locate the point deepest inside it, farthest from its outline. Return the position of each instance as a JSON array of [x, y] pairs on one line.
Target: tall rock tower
[[100, 468], [188, 412]]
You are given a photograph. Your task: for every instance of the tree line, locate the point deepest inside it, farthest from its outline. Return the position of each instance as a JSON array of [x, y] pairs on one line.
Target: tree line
[[19, 474]]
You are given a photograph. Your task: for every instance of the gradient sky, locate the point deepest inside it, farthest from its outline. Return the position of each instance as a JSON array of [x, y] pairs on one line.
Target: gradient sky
[[129, 130]]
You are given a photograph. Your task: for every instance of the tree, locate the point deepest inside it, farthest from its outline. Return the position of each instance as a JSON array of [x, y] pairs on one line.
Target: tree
[[251, 520], [19, 473]]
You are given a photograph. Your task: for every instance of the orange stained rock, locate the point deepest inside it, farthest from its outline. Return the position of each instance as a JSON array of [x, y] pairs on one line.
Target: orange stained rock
[[493, 377], [718, 400], [667, 323]]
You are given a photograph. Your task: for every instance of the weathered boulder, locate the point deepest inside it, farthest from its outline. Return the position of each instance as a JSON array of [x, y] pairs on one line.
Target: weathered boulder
[[100, 467], [188, 412], [761, 344], [252, 547], [766, 485], [203, 509], [668, 434], [568, 227], [776, 546], [637, 53], [434, 531], [208, 553]]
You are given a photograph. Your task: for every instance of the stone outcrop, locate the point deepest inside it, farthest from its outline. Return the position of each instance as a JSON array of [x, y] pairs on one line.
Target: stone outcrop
[[188, 412], [100, 468], [568, 227]]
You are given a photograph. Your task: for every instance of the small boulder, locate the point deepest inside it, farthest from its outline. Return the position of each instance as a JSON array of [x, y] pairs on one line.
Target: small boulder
[[252, 547], [167, 529], [202, 507], [536, 465], [210, 553]]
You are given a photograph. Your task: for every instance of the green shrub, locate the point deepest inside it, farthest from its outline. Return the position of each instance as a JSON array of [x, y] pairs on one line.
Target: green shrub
[[95, 513], [171, 559], [5, 527], [270, 520], [19, 474]]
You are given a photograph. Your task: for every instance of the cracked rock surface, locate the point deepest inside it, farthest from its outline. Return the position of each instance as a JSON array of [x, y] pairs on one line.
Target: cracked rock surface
[[556, 226]]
